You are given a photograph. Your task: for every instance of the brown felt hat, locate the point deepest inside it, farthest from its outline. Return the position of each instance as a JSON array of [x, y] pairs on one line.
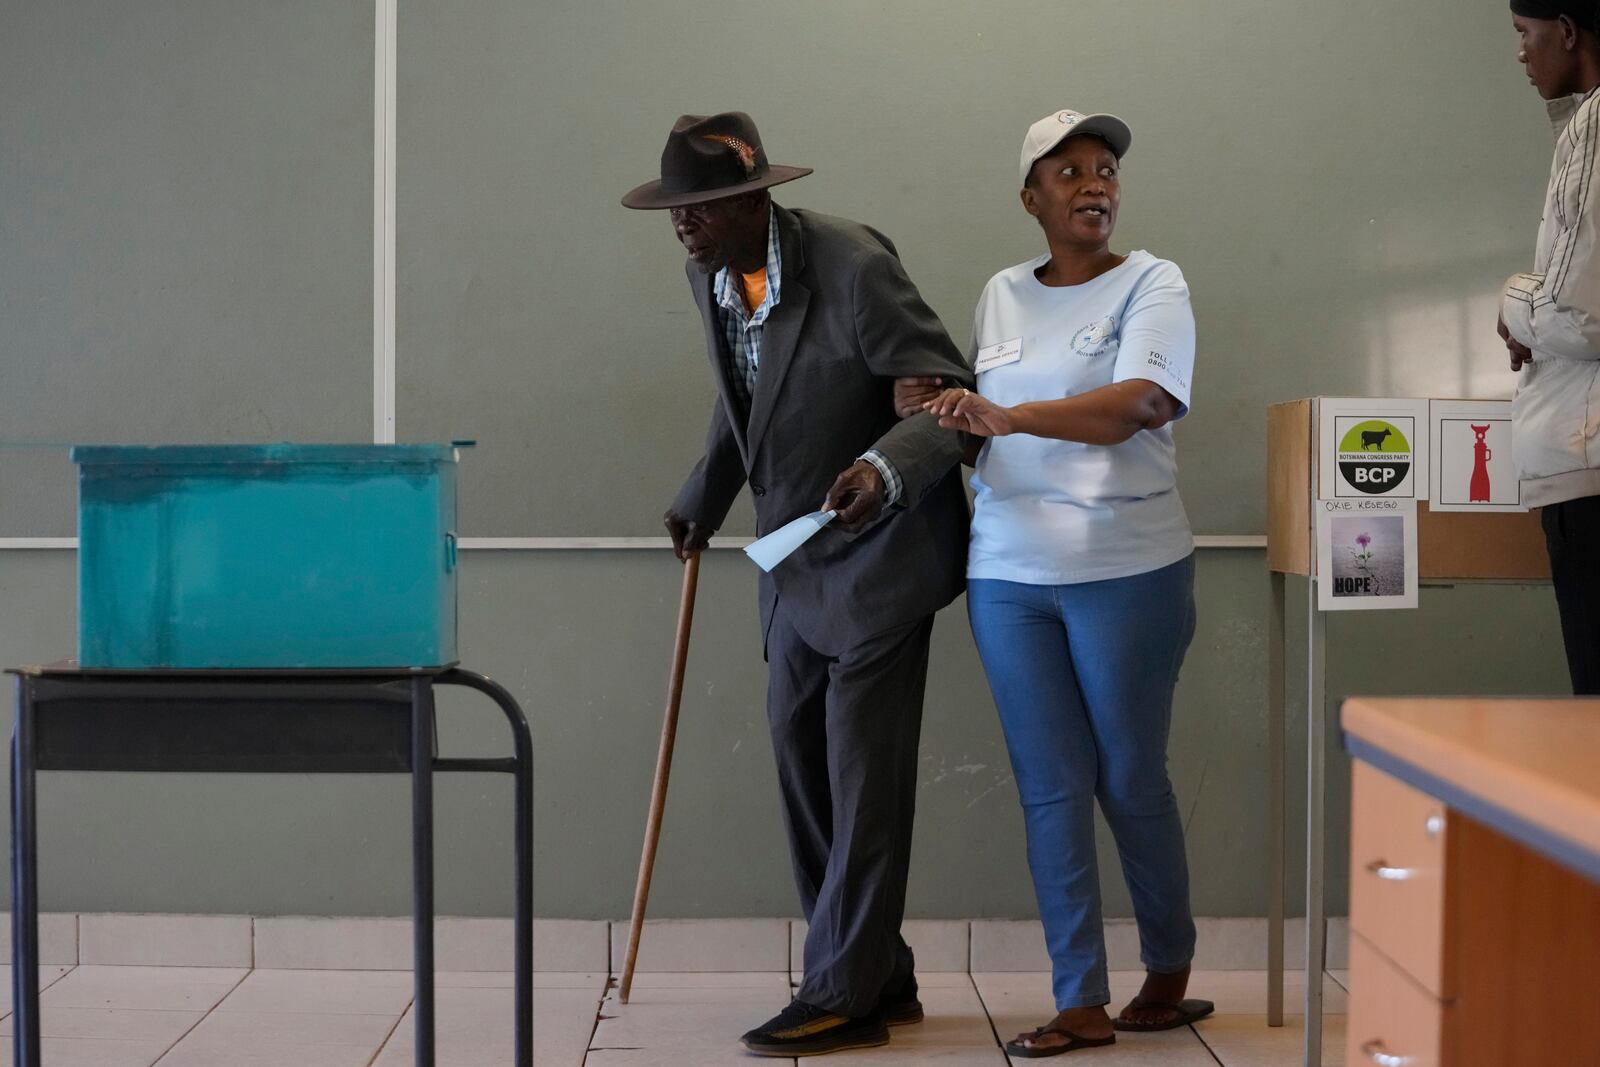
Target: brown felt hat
[[709, 158]]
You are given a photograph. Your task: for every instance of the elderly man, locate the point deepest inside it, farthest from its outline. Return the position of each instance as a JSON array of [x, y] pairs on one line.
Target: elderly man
[[1550, 321], [808, 320]]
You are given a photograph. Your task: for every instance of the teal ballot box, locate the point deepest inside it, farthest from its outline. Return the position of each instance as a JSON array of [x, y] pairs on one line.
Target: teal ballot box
[[272, 556]]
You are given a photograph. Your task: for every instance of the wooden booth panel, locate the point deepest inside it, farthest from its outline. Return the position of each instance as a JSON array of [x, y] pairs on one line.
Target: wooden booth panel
[[1290, 536], [1467, 544]]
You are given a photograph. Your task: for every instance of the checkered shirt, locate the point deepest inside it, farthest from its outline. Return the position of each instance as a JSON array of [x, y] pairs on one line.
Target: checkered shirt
[[743, 333]]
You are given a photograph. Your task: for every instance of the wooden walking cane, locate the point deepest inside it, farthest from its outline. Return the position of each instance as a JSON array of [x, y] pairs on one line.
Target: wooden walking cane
[[658, 791]]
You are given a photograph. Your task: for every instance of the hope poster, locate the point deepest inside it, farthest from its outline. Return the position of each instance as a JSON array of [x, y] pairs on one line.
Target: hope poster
[[1366, 554]]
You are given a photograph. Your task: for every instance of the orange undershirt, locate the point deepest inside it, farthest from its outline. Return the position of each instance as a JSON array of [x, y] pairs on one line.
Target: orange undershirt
[[754, 288]]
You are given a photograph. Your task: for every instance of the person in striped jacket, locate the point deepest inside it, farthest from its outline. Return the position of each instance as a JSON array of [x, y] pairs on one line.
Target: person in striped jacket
[[1550, 322]]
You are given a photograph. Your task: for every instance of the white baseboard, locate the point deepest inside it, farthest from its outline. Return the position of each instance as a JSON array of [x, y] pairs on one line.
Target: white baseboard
[[288, 942], [58, 939], [1224, 944], [1235, 944], [599, 947]]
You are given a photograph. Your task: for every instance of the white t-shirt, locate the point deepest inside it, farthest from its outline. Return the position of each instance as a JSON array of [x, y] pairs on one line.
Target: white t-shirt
[[1058, 512]]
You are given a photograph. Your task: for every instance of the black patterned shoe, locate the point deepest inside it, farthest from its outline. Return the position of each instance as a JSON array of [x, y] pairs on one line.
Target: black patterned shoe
[[900, 1005], [803, 1029]]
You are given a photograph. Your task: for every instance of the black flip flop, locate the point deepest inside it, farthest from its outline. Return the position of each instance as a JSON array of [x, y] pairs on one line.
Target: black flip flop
[[1074, 1043], [1183, 1013]]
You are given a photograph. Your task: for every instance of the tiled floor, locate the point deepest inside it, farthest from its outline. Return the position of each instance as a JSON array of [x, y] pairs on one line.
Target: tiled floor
[[98, 1016], [693, 1020]]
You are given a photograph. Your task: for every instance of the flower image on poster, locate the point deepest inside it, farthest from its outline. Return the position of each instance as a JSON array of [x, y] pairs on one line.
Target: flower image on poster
[[1366, 555]]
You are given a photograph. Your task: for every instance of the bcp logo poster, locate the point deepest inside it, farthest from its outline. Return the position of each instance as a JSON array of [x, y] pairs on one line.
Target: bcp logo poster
[[1373, 448]]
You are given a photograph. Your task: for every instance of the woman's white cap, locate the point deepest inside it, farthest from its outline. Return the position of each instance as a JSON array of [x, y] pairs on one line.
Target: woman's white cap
[[1044, 135]]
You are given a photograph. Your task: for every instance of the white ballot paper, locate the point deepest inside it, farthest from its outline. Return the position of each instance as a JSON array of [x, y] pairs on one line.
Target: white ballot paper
[[778, 545]]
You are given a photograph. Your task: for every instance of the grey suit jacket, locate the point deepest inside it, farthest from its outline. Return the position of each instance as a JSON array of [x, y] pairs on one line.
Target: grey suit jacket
[[847, 324]]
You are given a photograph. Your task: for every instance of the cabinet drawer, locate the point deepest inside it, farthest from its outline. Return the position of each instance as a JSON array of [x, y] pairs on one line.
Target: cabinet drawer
[[1397, 869], [1392, 1022]]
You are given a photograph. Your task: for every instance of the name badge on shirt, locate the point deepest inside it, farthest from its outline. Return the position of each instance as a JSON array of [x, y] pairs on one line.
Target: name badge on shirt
[[998, 355]]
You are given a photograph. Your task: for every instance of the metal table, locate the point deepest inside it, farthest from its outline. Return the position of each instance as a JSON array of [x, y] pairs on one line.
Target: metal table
[[248, 721]]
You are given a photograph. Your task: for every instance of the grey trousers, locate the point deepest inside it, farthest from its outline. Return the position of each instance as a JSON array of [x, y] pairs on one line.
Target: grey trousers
[[845, 730]]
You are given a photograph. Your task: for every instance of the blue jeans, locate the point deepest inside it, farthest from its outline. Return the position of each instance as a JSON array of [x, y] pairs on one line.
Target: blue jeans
[[1083, 677]]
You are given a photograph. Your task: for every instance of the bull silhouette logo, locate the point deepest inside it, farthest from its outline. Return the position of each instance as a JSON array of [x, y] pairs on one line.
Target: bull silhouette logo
[[1374, 456]]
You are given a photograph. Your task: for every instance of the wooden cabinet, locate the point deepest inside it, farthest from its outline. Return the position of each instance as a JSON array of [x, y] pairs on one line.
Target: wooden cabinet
[[1394, 1022], [1401, 982], [1475, 930], [1398, 838]]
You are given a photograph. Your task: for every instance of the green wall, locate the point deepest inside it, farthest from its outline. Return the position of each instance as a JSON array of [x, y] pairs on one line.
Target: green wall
[[1344, 185], [186, 219], [583, 638]]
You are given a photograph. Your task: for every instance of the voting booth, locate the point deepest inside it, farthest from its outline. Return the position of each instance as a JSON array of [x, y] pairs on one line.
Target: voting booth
[[1452, 545], [1368, 499]]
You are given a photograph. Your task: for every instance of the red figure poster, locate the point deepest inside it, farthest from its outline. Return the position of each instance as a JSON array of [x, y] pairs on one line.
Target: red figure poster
[[1470, 455], [1478, 491]]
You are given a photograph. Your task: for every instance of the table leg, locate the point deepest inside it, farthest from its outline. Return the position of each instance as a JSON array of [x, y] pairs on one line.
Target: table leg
[[19, 1030], [522, 931], [24, 886], [1277, 796], [422, 732], [1316, 766]]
